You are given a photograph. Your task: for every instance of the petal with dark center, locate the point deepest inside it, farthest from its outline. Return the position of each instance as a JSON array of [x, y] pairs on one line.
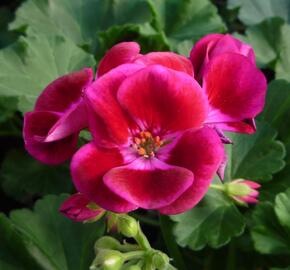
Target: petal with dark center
[[158, 98], [88, 167], [150, 184], [107, 120]]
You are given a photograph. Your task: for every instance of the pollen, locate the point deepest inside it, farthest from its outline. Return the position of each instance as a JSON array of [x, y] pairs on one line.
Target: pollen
[[146, 144]]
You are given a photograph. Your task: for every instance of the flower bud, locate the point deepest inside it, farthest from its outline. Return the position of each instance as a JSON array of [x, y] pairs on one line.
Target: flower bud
[[127, 226], [107, 242], [160, 260], [108, 260], [243, 191], [79, 208]]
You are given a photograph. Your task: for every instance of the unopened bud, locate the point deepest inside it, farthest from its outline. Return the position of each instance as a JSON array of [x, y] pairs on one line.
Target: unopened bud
[[107, 242], [160, 260], [127, 226], [243, 191], [108, 260]]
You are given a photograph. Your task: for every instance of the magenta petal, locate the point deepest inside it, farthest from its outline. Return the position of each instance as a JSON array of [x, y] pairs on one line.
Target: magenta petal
[[247, 126], [212, 45], [246, 199], [76, 208], [158, 98], [36, 128], [199, 54], [71, 122], [122, 53], [64, 92], [150, 184], [88, 166], [251, 184], [235, 87], [167, 59], [201, 152], [107, 121], [229, 44]]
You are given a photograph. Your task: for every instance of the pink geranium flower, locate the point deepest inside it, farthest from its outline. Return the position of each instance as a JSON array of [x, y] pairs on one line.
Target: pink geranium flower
[[150, 148], [51, 129], [235, 87]]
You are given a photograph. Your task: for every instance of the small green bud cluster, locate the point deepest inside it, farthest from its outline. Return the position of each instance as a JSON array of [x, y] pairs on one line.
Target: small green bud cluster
[[114, 255]]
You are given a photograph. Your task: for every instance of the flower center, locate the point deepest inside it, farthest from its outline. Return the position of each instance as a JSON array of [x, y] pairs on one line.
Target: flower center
[[146, 144]]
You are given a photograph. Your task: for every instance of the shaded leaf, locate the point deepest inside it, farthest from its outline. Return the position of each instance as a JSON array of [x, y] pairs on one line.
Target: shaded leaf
[[53, 241], [269, 230], [255, 157], [22, 177], [213, 222]]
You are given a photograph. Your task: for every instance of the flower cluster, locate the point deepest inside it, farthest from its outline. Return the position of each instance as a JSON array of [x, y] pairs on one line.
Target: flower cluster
[[156, 120]]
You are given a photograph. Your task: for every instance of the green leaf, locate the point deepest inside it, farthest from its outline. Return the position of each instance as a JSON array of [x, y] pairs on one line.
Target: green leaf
[[22, 177], [271, 227], [255, 157], [53, 241], [33, 62], [79, 20], [145, 35], [277, 108], [282, 209], [277, 113], [213, 222], [8, 107], [255, 11], [265, 38], [6, 37], [13, 254], [282, 67], [186, 19]]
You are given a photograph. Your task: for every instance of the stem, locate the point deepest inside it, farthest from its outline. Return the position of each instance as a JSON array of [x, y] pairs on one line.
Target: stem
[[218, 187], [133, 255], [142, 240], [231, 260], [166, 228]]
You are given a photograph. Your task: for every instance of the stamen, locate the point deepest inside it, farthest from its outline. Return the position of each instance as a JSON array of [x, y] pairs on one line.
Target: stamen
[[146, 144]]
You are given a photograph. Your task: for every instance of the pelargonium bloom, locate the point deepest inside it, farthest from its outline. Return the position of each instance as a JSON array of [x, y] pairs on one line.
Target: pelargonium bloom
[[150, 148], [51, 129], [235, 87], [79, 208]]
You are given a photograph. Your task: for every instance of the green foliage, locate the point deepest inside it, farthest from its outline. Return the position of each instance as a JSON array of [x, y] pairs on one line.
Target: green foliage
[[44, 239], [256, 156], [60, 36], [208, 223], [30, 177], [33, 62], [78, 20], [271, 227], [186, 20], [255, 11]]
